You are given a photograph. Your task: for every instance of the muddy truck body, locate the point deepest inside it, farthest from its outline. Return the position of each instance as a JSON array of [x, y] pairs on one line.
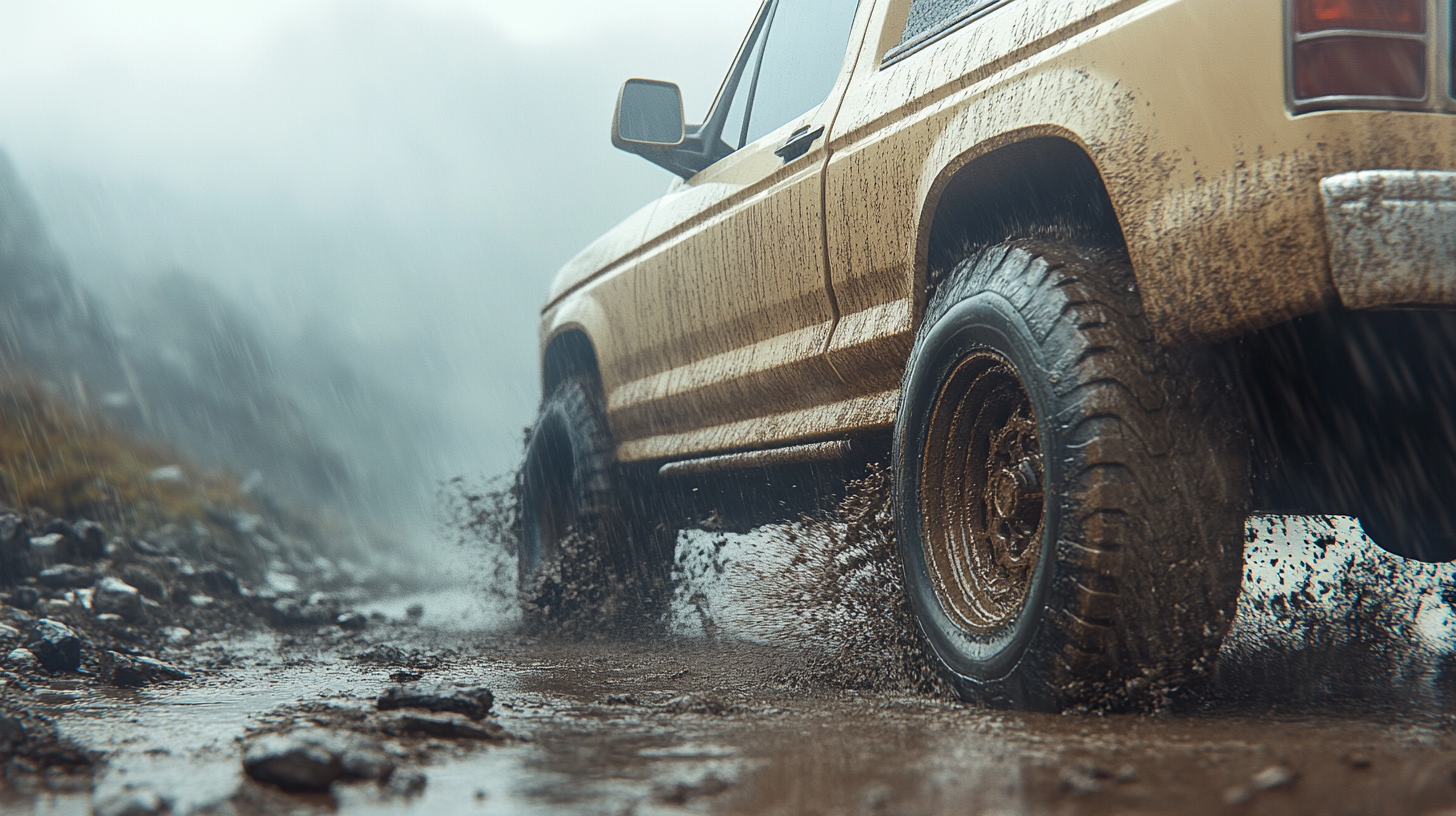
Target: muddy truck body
[[1104, 276]]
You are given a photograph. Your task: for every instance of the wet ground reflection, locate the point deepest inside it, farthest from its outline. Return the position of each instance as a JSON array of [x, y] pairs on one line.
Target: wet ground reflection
[[1329, 700]]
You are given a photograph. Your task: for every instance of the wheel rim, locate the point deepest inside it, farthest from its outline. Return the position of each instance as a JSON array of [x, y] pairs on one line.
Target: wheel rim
[[982, 506]]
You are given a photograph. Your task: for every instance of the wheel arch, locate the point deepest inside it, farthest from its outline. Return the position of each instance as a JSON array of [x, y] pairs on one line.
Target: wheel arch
[[569, 353], [1036, 183]]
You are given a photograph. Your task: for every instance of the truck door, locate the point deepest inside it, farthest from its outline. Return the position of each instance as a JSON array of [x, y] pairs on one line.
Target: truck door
[[731, 300]]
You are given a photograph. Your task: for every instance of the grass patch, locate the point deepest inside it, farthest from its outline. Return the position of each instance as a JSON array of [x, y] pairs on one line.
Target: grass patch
[[63, 462]]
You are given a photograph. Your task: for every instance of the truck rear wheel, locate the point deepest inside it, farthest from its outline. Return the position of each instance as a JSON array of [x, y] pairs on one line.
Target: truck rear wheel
[[1070, 495], [587, 563]]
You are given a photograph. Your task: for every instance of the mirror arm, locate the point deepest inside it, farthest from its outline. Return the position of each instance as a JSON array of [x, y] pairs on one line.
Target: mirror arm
[[690, 157]]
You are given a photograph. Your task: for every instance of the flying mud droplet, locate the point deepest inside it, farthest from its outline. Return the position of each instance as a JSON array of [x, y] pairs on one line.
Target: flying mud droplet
[[831, 585], [1326, 616]]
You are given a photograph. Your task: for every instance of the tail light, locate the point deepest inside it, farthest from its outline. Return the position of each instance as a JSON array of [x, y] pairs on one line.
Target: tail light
[[1358, 53]]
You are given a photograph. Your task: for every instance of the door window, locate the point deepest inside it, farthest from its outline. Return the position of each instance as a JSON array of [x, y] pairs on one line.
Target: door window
[[790, 68]]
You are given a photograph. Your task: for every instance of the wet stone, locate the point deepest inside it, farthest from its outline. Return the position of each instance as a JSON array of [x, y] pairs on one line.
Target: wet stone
[[9, 634], [12, 732], [288, 613], [21, 659], [146, 582], [407, 783], [55, 645], [24, 597], [119, 598], [1083, 778], [92, 538], [352, 622], [474, 703], [444, 726], [1271, 778], [693, 704], [382, 653], [177, 636], [129, 671], [366, 763], [66, 576], [50, 550], [218, 581], [131, 802], [405, 676], [294, 762]]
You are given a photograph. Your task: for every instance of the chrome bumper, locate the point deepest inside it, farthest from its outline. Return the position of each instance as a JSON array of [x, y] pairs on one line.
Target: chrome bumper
[[1392, 237]]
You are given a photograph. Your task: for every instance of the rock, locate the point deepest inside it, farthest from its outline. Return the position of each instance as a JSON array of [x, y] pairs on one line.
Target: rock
[[131, 802], [176, 636], [1083, 778], [282, 582], [287, 613], [444, 726], [54, 608], [21, 659], [66, 576], [24, 597], [145, 548], [415, 612], [130, 671], [12, 732], [201, 601], [1274, 776], [13, 527], [366, 762], [118, 597], [92, 538], [474, 703], [55, 645], [407, 783], [59, 527], [219, 581], [352, 622], [294, 762], [49, 550], [9, 634], [146, 582], [405, 676], [382, 653], [693, 704]]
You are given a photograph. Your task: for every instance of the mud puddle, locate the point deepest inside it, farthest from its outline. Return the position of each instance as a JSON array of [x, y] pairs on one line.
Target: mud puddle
[[1331, 698]]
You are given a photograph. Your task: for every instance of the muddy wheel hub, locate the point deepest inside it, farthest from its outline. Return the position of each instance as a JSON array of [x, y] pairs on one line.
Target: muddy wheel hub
[[981, 498]]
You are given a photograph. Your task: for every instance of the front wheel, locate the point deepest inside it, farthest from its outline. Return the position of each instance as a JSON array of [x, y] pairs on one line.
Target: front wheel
[[589, 561], [1070, 495]]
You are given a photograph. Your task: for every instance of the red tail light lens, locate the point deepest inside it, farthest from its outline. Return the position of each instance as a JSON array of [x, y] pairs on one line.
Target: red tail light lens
[[1360, 66], [1407, 16]]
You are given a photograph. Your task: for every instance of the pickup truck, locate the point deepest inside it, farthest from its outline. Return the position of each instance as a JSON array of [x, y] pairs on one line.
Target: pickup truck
[[1102, 276]]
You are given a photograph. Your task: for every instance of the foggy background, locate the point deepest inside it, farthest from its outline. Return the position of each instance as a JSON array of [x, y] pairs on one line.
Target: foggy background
[[365, 200]]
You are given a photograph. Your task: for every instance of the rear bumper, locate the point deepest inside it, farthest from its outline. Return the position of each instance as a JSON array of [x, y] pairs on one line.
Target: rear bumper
[[1392, 236]]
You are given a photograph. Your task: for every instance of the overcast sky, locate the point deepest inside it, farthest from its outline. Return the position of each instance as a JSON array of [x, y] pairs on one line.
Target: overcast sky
[[408, 174]]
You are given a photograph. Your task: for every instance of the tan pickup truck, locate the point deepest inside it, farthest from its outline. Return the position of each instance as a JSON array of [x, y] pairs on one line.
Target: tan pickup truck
[[1104, 275]]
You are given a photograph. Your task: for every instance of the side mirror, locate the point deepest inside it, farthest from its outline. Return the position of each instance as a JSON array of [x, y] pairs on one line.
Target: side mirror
[[649, 117]]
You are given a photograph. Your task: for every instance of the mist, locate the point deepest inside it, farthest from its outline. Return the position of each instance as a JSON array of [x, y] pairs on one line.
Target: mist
[[379, 192]]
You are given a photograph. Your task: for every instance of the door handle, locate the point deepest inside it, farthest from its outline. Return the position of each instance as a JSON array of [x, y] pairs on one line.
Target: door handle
[[799, 143]]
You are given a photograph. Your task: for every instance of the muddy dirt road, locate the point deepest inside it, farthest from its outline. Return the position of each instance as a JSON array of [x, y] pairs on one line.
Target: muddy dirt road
[[1314, 712]]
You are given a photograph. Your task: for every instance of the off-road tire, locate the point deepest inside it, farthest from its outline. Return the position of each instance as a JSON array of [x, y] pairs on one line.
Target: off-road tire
[[589, 559], [1145, 474]]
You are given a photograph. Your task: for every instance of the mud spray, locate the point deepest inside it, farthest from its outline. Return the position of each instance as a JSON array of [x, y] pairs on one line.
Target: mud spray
[[1325, 616]]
